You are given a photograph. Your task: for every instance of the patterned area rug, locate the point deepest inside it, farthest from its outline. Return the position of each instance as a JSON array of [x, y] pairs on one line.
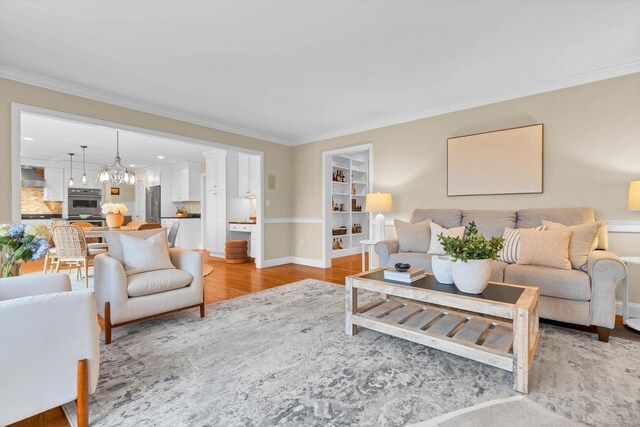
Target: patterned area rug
[[281, 357]]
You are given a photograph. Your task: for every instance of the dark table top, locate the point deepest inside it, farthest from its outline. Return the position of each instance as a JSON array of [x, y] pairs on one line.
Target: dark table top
[[493, 292]]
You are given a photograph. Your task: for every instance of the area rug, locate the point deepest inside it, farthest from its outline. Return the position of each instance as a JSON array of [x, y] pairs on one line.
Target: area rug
[[281, 357]]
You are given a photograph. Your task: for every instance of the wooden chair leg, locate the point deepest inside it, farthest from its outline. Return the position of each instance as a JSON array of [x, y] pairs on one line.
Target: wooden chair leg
[[58, 266], [46, 259], [107, 323], [603, 333], [202, 310], [83, 393], [86, 274]]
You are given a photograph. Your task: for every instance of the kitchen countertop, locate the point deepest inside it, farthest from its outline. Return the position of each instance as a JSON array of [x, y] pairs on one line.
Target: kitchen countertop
[[190, 216], [242, 222], [40, 216]]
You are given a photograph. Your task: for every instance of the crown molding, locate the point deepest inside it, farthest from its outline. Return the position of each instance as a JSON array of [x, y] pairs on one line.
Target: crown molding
[[548, 86], [121, 101]]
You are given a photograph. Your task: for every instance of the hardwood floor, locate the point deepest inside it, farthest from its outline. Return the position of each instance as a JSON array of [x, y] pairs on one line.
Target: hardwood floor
[[234, 280]]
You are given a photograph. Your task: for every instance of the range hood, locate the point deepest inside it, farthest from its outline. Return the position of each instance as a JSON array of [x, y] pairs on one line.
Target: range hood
[[32, 178]]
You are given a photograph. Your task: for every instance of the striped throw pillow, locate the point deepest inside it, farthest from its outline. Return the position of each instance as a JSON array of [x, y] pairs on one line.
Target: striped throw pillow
[[511, 247]]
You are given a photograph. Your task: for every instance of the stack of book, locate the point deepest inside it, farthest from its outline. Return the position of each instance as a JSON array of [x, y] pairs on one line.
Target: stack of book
[[409, 276]]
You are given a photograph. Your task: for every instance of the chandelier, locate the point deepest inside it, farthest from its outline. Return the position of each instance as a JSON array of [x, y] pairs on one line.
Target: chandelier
[[116, 173]]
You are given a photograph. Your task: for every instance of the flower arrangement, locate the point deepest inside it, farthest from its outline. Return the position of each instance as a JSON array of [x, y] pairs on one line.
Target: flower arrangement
[[471, 245], [115, 208], [22, 243]]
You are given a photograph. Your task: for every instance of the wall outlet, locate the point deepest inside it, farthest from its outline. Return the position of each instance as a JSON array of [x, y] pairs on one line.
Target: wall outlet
[[301, 242]]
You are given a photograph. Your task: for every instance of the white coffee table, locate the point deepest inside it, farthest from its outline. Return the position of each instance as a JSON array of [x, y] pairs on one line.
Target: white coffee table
[[633, 323]]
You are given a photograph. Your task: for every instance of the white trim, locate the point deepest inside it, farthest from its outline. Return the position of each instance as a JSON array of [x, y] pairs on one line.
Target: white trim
[[634, 309], [292, 260], [293, 220], [434, 422], [346, 252], [623, 226], [134, 104], [548, 86]]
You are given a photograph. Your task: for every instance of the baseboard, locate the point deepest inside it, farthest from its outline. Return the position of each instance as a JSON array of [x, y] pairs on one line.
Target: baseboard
[[292, 260], [634, 309]]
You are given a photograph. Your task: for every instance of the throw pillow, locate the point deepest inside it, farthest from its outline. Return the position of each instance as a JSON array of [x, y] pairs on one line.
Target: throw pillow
[[549, 248], [142, 255], [435, 247], [584, 239], [511, 247], [413, 237]]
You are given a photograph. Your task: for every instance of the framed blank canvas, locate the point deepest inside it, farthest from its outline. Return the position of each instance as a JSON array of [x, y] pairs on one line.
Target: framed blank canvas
[[508, 161]]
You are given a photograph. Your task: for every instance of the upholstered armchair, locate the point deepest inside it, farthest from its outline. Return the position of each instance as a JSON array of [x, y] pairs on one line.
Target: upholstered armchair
[[124, 299], [49, 350]]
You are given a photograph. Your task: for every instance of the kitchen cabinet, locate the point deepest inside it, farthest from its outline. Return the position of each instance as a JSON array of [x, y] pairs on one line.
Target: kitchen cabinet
[[252, 239], [45, 222], [185, 182], [216, 221], [54, 188], [153, 177], [248, 175], [216, 172]]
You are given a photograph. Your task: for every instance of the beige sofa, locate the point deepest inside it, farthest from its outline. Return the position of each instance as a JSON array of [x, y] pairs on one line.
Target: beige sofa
[[573, 296]]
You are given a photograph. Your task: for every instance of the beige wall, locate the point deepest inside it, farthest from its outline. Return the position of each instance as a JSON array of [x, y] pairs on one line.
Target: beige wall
[[591, 152], [277, 157]]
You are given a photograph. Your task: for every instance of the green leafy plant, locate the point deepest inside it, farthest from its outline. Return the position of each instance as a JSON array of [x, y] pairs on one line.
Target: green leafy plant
[[471, 245]]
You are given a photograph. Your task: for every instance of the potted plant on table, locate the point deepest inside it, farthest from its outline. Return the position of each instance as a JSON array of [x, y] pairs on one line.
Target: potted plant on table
[[471, 257], [113, 213], [21, 243]]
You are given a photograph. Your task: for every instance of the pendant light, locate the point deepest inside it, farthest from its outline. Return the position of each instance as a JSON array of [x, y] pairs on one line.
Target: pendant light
[[71, 163], [84, 166], [116, 173]]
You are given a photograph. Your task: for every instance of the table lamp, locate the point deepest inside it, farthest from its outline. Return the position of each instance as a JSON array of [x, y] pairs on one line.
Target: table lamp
[[379, 202], [634, 196]]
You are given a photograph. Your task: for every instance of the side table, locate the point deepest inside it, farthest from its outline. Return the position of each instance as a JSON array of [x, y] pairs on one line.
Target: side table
[[366, 247], [633, 323]]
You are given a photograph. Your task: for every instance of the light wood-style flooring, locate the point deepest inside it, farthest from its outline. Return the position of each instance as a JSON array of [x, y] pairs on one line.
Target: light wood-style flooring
[[234, 280]]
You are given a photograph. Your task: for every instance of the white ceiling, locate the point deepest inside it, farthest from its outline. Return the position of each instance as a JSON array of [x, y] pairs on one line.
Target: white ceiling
[[54, 138], [294, 71]]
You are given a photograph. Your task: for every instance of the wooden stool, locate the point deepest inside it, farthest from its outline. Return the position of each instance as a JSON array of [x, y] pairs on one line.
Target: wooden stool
[[235, 251]]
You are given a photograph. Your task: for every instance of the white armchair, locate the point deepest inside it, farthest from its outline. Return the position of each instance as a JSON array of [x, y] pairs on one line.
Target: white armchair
[[123, 299], [49, 350]]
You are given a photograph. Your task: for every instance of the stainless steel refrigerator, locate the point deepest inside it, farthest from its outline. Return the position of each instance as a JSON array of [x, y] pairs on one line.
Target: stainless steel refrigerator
[[153, 204]]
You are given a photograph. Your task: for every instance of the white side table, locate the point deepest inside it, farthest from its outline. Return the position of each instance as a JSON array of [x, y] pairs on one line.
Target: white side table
[[630, 322], [366, 247]]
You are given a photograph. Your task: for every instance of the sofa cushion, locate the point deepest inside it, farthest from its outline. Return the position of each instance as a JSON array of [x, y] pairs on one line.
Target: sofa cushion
[[415, 259], [142, 255], [529, 218], [490, 223], [545, 248], [413, 237], [584, 239], [115, 246], [511, 248], [553, 282], [447, 218], [435, 247], [153, 282]]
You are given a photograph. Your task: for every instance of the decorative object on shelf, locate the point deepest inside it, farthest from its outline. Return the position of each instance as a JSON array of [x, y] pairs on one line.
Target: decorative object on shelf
[[353, 187], [113, 213], [21, 243], [471, 255], [633, 202], [441, 265], [379, 202], [116, 173], [71, 183], [181, 213], [402, 267], [339, 231], [337, 244], [84, 166]]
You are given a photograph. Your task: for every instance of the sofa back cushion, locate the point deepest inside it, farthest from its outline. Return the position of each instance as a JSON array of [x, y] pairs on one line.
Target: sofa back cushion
[[490, 223], [115, 246], [413, 237], [448, 218]]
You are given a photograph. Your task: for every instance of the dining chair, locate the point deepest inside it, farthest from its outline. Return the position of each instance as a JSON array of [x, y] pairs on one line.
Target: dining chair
[[72, 249], [173, 234], [149, 226]]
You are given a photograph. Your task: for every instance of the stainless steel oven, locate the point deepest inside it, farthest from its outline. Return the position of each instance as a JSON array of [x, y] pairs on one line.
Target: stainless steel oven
[[84, 201]]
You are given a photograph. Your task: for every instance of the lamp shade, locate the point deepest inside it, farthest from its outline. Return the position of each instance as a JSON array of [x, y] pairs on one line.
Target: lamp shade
[[378, 202], [634, 196]]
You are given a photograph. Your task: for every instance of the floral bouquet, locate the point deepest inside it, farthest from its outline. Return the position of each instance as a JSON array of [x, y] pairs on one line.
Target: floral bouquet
[[115, 208], [22, 242]]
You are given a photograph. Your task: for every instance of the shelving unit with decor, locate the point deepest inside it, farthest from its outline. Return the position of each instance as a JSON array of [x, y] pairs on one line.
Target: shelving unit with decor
[[349, 187]]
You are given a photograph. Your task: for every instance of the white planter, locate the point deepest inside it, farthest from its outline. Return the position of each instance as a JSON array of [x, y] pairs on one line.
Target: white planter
[[472, 276], [441, 266]]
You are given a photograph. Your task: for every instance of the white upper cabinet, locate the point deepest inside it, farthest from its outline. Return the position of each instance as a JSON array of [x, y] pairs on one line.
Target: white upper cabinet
[[153, 177], [216, 172], [185, 182], [54, 189], [248, 175]]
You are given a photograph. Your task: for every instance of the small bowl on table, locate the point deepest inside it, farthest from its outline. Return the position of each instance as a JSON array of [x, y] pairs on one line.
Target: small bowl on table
[[402, 267]]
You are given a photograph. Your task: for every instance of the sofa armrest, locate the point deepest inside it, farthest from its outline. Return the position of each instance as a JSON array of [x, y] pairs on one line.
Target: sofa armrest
[[110, 283], [33, 284], [43, 337], [189, 261], [384, 249], [606, 271]]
